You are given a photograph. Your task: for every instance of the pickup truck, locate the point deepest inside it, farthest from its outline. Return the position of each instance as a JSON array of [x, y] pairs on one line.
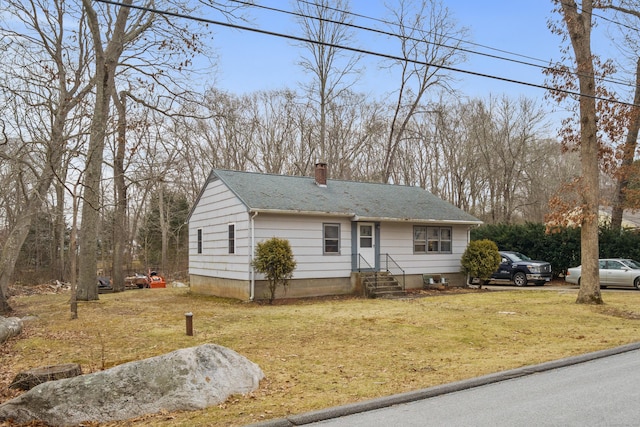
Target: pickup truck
[[521, 270]]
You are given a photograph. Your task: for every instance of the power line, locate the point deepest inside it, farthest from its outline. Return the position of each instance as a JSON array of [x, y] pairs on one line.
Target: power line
[[359, 27], [362, 51], [520, 62], [382, 21]]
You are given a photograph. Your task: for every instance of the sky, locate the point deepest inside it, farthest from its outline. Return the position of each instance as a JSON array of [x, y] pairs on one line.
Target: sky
[[248, 61], [517, 30]]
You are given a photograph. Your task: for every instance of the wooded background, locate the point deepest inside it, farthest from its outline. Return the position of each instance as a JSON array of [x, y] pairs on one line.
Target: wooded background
[[107, 126]]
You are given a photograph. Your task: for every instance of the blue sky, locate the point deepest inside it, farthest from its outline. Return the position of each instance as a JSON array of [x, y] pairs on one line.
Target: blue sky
[[248, 61]]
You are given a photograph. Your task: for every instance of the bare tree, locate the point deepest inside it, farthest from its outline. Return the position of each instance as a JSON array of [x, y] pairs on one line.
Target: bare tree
[[271, 129], [107, 58], [326, 23], [429, 40], [356, 128], [222, 135], [44, 78], [515, 150], [149, 55], [120, 235]]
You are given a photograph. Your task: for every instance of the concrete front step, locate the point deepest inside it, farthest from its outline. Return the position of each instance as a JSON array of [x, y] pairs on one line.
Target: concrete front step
[[381, 285], [385, 289]]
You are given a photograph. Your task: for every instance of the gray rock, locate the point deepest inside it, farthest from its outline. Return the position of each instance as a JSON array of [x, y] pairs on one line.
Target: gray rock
[[178, 285], [9, 327], [186, 379]]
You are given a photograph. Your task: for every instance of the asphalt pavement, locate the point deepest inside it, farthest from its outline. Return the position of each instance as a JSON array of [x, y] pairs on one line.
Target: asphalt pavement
[[595, 389]]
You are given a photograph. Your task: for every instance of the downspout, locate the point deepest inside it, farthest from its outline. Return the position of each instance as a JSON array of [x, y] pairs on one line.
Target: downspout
[[252, 271], [468, 278]]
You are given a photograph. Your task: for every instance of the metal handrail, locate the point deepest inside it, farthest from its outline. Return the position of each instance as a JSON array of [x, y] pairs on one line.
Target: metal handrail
[[388, 260], [361, 261], [389, 263]]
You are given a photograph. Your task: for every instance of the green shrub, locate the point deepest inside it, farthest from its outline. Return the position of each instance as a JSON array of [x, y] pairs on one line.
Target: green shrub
[[274, 259], [480, 259]]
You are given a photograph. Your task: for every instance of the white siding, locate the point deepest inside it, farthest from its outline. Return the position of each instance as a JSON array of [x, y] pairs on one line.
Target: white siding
[[396, 239], [217, 208], [304, 233]]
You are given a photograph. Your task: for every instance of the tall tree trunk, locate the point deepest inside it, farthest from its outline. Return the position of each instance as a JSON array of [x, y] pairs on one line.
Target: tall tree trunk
[[18, 234], [5, 308], [106, 63], [164, 228], [59, 255], [15, 240], [87, 288], [628, 155], [10, 253], [120, 234], [579, 28], [73, 257]]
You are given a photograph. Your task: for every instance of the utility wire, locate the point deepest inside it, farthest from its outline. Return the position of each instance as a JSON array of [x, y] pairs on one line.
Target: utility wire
[[473, 52], [362, 51], [386, 33], [382, 21]]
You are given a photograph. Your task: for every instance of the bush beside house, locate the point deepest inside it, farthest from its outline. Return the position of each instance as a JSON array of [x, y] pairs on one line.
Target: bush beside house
[[274, 259], [480, 259]]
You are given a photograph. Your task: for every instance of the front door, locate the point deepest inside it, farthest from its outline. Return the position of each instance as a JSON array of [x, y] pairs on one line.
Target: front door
[[367, 244]]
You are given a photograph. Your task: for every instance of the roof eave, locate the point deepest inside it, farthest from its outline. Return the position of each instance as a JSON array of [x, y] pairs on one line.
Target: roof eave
[[355, 217], [416, 220], [300, 212]]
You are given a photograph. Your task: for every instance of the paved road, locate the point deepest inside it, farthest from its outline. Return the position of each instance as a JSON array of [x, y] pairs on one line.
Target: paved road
[[597, 389]]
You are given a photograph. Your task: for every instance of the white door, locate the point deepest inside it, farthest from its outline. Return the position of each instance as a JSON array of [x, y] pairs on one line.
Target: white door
[[367, 244]]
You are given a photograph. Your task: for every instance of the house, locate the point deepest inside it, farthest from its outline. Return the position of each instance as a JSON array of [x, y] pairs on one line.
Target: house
[[337, 229]]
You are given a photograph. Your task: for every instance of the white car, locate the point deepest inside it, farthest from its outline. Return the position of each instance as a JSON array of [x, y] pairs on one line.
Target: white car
[[620, 272]]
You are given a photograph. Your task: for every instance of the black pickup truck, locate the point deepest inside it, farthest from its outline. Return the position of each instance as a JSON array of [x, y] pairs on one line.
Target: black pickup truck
[[520, 269]]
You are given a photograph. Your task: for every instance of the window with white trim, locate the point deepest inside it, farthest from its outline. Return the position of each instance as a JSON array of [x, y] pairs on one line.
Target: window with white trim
[[432, 240], [232, 238], [199, 240], [331, 238]]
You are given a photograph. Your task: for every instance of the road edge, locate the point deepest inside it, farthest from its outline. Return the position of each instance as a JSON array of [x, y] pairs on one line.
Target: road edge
[[412, 396]]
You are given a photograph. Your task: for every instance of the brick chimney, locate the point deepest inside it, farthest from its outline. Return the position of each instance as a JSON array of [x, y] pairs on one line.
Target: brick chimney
[[321, 174]]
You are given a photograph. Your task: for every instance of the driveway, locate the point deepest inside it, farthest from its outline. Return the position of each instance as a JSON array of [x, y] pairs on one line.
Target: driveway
[[595, 389]]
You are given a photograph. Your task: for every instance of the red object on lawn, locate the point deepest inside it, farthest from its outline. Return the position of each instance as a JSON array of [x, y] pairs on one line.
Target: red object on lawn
[[156, 281]]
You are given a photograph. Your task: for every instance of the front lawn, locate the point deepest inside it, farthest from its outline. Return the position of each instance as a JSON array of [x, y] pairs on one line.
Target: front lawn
[[324, 352]]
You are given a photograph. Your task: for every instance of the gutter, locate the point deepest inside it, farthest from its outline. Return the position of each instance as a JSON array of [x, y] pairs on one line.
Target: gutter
[[354, 217], [301, 212], [415, 220], [252, 271]]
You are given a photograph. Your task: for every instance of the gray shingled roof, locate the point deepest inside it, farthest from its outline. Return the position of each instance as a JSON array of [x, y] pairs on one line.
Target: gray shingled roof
[[265, 192]]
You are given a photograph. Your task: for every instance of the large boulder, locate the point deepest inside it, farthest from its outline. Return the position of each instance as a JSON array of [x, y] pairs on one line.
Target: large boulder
[[9, 327], [186, 379]]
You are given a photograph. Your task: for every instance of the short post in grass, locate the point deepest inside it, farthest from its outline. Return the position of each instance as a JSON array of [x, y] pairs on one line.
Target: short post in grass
[[189, 319]]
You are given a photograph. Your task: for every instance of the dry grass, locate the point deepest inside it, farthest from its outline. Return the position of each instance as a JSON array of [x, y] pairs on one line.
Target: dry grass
[[320, 353]]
